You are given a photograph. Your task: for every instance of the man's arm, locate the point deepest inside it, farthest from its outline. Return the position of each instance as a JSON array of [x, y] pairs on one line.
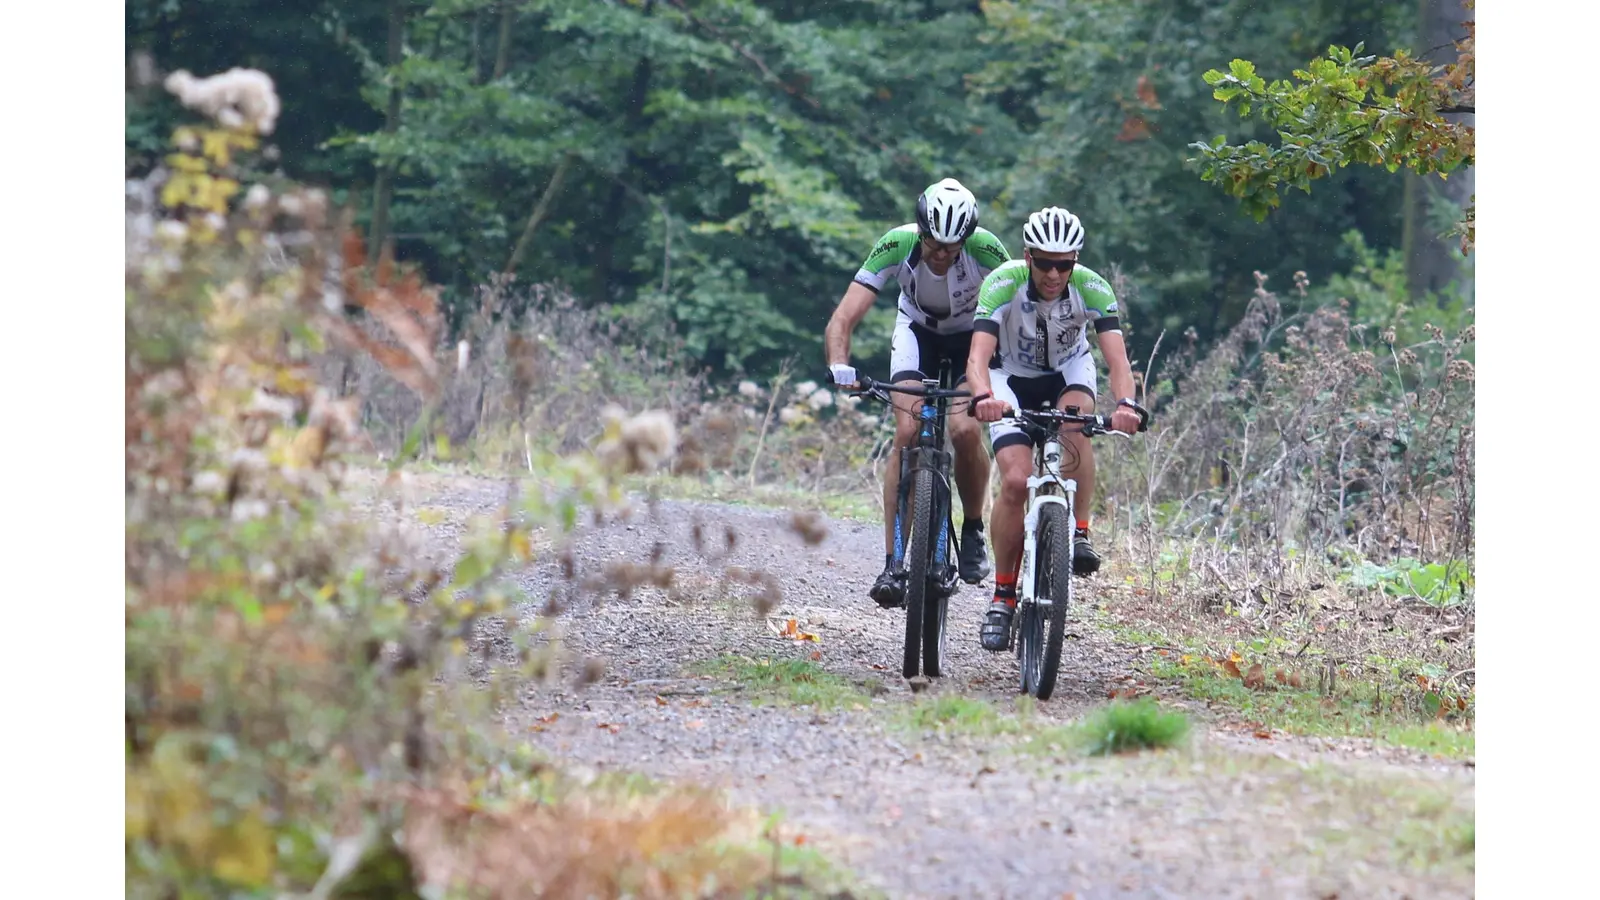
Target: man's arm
[[847, 315], [1115, 351], [978, 359]]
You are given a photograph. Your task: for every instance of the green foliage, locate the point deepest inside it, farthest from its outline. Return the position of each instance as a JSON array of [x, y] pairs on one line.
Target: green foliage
[[1343, 108], [1124, 726], [1438, 583], [731, 162]]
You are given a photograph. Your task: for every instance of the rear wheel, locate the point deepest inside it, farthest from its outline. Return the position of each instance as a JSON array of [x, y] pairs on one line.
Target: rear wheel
[[1055, 583], [918, 557]]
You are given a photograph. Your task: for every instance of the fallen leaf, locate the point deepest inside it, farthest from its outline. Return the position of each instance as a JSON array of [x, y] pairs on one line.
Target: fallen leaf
[[1256, 677], [550, 718], [696, 724], [1295, 680], [610, 726], [799, 840], [816, 654], [1461, 703], [660, 700], [1264, 735], [1422, 681], [1231, 667], [1280, 677], [1163, 652]]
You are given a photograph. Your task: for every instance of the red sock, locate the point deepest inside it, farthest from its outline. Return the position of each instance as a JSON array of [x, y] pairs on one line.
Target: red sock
[[1005, 588], [1083, 525]]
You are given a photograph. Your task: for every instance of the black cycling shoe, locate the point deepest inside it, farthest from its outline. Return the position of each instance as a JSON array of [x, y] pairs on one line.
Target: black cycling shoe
[[1084, 560], [889, 591], [995, 634], [974, 556]]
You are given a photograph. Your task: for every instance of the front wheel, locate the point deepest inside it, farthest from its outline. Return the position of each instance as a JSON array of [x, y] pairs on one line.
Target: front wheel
[[918, 558], [1055, 582]]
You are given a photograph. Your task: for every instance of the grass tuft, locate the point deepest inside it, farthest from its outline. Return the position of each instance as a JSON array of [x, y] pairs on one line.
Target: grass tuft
[[795, 681], [1125, 726]]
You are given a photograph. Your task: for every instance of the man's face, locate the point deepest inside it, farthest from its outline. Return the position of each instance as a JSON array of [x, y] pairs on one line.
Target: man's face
[[1051, 271], [939, 257]]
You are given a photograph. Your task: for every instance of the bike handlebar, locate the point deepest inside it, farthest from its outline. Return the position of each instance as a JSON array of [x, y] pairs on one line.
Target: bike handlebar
[[865, 385], [1092, 424]]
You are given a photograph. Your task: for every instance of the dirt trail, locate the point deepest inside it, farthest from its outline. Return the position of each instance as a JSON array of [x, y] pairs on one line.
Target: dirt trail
[[924, 814]]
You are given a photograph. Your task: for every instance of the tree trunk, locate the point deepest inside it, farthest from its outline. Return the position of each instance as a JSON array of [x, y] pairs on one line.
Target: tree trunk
[[383, 188], [475, 63], [502, 50], [1432, 262], [610, 231]]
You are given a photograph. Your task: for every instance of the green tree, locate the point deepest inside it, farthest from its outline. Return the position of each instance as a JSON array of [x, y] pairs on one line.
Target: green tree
[[1344, 108]]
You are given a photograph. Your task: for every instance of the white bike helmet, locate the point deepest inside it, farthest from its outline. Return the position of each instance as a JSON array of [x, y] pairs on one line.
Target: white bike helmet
[[1053, 230], [947, 211]]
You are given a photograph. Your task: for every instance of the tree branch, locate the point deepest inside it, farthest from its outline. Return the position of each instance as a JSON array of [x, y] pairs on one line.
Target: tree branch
[[539, 212]]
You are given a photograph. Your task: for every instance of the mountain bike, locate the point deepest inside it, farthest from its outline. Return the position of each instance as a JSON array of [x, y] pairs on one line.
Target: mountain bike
[[1049, 539], [925, 557]]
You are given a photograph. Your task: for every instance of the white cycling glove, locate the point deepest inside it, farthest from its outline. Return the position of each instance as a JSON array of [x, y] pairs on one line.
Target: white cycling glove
[[843, 375]]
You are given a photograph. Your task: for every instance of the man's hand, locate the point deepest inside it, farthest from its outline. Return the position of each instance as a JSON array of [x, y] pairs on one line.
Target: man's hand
[[990, 409], [843, 375], [1126, 419]]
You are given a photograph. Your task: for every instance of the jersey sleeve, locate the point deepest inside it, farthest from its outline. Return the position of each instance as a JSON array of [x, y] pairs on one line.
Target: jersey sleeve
[[986, 250], [996, 291], [889, 252], [1098, 299]]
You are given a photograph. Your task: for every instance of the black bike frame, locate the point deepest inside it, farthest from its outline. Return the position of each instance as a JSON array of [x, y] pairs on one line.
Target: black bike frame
[[930, 455]]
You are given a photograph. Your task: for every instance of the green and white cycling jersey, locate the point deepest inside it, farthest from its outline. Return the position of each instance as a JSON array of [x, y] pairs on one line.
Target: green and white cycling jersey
[[1037, 337], [943, 304]]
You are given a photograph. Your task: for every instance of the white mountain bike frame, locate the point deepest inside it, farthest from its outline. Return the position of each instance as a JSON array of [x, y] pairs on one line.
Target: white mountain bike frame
[[1043, 489]]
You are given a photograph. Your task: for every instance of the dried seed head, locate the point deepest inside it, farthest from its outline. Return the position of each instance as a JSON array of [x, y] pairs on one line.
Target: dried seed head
[[768, 598], [810, 526], [594, 668]]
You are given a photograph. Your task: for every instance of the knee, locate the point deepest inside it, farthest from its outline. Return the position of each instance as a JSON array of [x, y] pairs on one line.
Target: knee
[[905, 429], [965, 433], [1014, 485]]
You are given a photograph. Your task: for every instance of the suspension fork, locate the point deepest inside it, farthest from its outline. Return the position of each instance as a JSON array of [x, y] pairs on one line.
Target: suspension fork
[[1047, 474]]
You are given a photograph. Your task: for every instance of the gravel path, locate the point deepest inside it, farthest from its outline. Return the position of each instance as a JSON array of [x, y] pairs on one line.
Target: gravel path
[[923, 813]]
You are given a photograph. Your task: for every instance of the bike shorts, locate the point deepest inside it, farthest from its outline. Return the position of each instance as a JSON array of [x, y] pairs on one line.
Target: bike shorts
[[915, 351], [1042, 392]]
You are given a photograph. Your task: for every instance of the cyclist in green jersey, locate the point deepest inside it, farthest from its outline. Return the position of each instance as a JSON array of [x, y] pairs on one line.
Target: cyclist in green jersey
[[1036, 313], [940, 262]]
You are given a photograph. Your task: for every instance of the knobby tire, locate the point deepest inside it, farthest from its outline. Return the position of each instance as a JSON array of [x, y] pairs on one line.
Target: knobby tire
[[1055, 582], [918, 557]]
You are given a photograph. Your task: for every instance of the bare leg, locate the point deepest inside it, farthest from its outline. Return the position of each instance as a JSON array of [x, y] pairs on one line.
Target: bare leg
[[1016, 464], [972, 463], [1077, 458], [905, 432]]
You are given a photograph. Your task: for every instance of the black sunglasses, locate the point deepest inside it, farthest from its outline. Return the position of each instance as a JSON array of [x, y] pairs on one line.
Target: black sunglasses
[[1056, 265]]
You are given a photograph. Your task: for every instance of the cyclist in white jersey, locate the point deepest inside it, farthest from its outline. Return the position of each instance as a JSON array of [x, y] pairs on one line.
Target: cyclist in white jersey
[[940, 262], [1036, 312]]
